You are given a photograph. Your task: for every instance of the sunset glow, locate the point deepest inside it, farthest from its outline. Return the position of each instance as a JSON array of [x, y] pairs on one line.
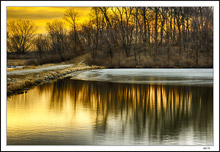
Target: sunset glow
[[41, 15]]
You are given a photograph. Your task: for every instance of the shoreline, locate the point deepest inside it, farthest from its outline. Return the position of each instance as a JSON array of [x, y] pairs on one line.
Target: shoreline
[[19, 84]]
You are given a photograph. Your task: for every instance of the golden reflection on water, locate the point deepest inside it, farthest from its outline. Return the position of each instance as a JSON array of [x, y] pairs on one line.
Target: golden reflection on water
[[95, 111]]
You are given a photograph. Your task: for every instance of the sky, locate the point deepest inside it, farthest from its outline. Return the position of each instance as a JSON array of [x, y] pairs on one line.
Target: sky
[[41, 15]]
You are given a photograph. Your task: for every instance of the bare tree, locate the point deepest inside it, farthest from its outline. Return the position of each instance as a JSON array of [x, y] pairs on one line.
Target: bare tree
[[20, 34], [156, 10], [96, 18], [58, 37], [42, 44], [70, 17], [163, 17], [179, 26]]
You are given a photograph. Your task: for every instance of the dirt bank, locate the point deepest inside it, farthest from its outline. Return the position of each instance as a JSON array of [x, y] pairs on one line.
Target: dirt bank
[[39, 70], [22, 80]]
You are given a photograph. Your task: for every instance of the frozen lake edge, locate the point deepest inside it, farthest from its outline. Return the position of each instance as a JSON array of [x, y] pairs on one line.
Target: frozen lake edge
[[149, 76]]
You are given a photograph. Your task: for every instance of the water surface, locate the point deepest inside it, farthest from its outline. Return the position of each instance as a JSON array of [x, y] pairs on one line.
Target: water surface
[[76, 112]]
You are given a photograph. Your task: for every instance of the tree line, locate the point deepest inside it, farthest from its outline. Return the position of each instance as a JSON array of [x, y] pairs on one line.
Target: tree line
[[123, 36]]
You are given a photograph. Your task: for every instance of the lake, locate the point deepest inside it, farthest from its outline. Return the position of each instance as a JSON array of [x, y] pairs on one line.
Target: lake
[[116, 107]]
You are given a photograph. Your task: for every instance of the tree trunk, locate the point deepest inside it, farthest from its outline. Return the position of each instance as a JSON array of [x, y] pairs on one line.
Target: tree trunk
[[155, 39]]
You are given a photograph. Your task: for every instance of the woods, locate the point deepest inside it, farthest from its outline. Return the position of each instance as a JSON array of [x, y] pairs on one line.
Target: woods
[[122, 37]]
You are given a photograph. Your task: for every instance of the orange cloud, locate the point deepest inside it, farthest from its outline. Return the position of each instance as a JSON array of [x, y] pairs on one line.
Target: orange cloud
[[41, 15]]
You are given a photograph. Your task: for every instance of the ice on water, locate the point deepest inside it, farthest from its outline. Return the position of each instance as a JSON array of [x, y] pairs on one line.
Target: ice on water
[[149, 76]]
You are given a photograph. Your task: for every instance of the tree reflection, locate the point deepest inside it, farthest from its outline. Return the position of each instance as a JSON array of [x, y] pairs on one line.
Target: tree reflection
[[157, 111]]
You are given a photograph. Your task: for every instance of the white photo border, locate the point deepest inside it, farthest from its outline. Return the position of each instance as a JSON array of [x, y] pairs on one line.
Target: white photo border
[[4, 5]]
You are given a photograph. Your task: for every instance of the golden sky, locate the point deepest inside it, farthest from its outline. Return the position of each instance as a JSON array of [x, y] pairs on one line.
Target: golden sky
[[41, 15]]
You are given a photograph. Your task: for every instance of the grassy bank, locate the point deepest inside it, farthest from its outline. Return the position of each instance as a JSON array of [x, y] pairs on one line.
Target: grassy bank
[[22, 83]]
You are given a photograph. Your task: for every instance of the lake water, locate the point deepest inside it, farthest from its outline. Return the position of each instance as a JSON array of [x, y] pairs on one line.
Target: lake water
[[110, 107]]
